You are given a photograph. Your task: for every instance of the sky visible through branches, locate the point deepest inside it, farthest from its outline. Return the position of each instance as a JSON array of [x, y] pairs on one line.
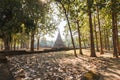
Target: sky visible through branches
[[61, 28]]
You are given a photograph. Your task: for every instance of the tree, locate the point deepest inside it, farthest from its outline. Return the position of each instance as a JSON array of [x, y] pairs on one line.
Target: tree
[[76, 14], [100, 35], [35, 12], [114, 27], [10, 20], [65, 6], [79, 35], [96, 37], [89, 4]]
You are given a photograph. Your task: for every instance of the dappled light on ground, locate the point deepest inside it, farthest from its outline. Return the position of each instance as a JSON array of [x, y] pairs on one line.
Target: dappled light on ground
[[61, 66]]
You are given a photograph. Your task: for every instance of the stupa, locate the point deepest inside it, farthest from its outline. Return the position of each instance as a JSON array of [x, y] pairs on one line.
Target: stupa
[[59, 42]]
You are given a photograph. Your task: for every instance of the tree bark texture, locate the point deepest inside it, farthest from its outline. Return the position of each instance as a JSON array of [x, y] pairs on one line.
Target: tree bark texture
[[96, 37], [108, 41], [32, 40], [69, 30], [114, 31], [79, 37], [100, 34], [93, 54]]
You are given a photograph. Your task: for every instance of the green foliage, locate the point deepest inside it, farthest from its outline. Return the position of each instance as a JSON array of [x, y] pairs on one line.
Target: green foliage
[[39, 17], [10, 17]]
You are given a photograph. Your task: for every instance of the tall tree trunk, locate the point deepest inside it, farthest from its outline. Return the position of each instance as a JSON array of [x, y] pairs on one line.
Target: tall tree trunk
[[100, 35], [118, 43], [66, 15], [114, 30], [93, 54], [32, 41], [79, 36], [96, 37]]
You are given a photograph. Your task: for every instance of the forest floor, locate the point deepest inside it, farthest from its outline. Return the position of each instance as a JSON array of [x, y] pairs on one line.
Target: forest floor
[[63, 66]]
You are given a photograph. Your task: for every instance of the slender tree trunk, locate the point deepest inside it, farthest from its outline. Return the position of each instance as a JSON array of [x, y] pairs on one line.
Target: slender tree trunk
[[114, 30], [71, 36], [93, 54], [108, 41], [84, 42], [96, 37], [69, 29], [105, 39], [100, 35], [89, 42], [28, 43], [79, 36], [32, 41]]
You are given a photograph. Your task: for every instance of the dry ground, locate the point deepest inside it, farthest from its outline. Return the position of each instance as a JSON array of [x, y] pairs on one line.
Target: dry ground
[[63, 66]]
